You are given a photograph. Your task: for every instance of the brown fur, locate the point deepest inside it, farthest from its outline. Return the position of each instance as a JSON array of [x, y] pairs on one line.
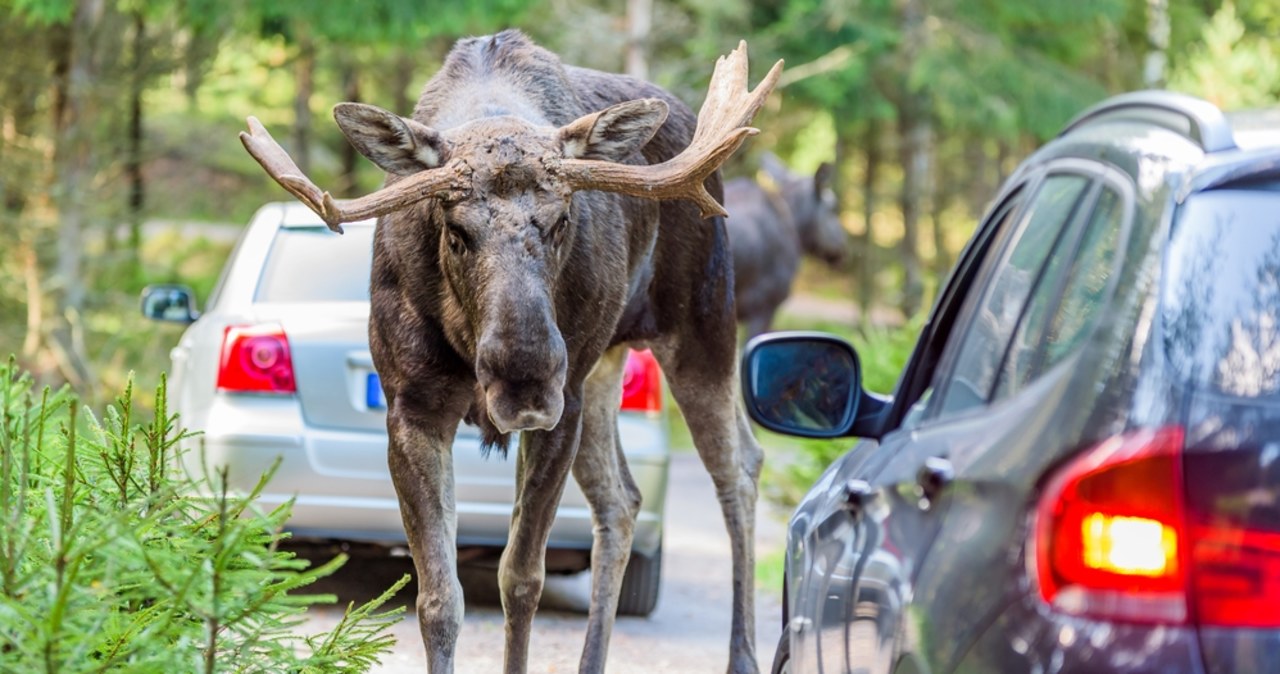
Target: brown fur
[[497, 304]]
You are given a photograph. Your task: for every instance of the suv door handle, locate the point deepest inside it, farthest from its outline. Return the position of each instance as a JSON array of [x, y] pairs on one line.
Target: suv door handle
[[934, 476], [857, 494]]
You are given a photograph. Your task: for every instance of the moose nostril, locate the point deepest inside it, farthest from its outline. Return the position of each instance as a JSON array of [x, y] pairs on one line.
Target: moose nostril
[[524, 406]]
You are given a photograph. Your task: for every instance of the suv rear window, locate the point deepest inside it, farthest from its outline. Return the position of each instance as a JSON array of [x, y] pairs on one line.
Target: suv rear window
[[1221, 291], [313, 264]]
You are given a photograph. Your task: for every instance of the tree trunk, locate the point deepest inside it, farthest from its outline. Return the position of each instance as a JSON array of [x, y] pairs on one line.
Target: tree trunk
[[304, 80], [401, 80], [74, 109], [1156, 58], [133, 160], [914, 157], [1002, 160], [866, 242], [914, 152], [943, 190], [977, 168], [203, 40], [35, 303], [347, 183], [639, 25]]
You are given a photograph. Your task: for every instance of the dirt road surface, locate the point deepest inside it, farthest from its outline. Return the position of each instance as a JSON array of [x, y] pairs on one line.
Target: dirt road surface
[[687, 633]]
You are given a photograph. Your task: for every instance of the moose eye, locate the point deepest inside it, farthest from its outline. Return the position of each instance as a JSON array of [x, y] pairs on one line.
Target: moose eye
[[556, 233], [457, 244]]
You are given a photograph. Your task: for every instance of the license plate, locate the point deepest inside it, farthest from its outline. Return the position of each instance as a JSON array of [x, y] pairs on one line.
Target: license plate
[[374, 398]]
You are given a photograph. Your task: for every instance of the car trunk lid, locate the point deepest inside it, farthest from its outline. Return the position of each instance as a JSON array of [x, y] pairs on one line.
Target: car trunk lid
[[336, 380]]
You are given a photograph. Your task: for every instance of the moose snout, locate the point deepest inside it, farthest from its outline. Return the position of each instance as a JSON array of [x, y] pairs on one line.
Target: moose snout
[[523, 382]]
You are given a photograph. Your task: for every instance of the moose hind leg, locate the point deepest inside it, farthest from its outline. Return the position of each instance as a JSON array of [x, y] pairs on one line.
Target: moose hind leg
[[601, 472], [707, 397], [421, 462]]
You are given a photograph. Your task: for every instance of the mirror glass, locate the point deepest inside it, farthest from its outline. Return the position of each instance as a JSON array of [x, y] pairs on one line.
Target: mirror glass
[[804, 386], [169, 303]]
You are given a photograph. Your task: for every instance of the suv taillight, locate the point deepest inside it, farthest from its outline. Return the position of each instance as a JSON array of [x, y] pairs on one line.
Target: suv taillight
[[1235, 573], [641, 383], [1110, 535], [255, 359]]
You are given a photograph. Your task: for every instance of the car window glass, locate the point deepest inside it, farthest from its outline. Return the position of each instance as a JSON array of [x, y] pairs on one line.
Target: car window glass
[[1044, 340], [1084, 296], [1221, 292], [991, 325], [312, 264], [212, 301], [916, 388]]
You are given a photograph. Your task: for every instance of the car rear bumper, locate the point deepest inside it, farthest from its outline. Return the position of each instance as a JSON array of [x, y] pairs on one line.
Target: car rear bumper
[[342, 488]]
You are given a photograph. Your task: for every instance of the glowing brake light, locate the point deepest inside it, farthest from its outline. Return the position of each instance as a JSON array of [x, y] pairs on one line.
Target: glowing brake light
[[1134, 546], [255, 359], [641, 383], [1109, 539]]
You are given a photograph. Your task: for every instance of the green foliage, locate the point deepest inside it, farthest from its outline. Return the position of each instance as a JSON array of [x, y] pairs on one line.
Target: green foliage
[[112, 559], [41, 12], [1232, 67]]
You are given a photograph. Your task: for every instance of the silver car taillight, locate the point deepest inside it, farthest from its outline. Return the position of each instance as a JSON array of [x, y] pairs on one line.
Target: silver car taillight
[[255, 358]]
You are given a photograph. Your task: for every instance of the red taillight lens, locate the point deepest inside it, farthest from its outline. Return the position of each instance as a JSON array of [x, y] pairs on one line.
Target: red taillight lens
[[1110, 537], [255, 359], [1235, 578], [641, 383]]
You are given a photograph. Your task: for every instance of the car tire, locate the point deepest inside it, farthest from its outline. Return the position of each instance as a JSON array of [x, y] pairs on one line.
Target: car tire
[[782, 656], [640, 583]]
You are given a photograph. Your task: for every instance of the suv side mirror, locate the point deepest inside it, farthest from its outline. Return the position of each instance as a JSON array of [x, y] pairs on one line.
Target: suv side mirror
[[809, 384], [169, 302], [802, 384]]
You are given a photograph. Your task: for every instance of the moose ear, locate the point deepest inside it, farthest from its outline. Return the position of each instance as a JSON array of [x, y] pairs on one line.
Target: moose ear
[[615, 132], [395, 144], [822, 178]]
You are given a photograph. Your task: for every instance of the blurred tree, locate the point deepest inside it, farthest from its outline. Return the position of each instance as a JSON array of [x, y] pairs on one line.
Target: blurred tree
[[317, 29], [79, 69], [1235, 67], [985, 74], [639, 25]]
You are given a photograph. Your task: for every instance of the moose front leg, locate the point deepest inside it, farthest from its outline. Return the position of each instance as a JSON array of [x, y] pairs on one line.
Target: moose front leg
[[542, 465], [420, 456], [601, 472]]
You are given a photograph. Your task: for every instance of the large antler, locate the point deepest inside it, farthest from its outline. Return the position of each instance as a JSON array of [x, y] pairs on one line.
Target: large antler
[[334, 212], [722, 127]]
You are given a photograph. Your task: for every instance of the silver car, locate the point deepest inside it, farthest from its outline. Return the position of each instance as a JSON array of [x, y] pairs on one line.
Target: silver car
[[278, 366]]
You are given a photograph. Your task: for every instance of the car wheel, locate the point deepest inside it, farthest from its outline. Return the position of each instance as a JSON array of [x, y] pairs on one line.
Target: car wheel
[[782, 656], [640, 583]]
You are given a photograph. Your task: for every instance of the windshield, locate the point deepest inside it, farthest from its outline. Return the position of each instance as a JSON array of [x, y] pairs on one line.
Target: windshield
[[313, 264], [1221, 308]]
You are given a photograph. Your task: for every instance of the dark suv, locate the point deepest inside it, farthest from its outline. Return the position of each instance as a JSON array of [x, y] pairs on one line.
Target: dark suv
[[1079, 470]]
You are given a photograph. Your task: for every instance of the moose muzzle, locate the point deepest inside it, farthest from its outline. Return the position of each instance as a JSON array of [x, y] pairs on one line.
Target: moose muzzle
[[521, 364]]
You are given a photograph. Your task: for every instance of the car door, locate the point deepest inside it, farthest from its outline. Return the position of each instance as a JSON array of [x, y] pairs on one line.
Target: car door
[[840, 533], [968, 337]]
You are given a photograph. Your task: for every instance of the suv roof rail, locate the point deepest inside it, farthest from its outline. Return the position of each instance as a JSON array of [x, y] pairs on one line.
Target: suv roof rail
[[1195, 118]]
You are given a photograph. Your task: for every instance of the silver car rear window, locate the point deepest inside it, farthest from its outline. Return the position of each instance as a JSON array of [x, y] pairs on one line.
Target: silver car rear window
[[313, 264]]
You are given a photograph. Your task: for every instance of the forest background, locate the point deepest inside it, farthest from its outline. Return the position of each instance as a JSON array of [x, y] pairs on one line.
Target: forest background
[[118, 118]]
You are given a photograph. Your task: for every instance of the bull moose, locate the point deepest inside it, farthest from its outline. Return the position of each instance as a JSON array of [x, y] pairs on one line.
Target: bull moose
[[774, 220], [537, 219]]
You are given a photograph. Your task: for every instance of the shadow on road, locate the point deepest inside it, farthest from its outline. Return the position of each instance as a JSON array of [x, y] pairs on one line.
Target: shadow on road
[[370, 570]]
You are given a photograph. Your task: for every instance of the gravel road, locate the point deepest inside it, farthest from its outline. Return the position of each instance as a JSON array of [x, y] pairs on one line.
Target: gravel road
[[689, 631]]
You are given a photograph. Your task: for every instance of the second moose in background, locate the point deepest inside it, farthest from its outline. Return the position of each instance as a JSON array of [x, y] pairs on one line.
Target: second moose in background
[[774, 219]]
